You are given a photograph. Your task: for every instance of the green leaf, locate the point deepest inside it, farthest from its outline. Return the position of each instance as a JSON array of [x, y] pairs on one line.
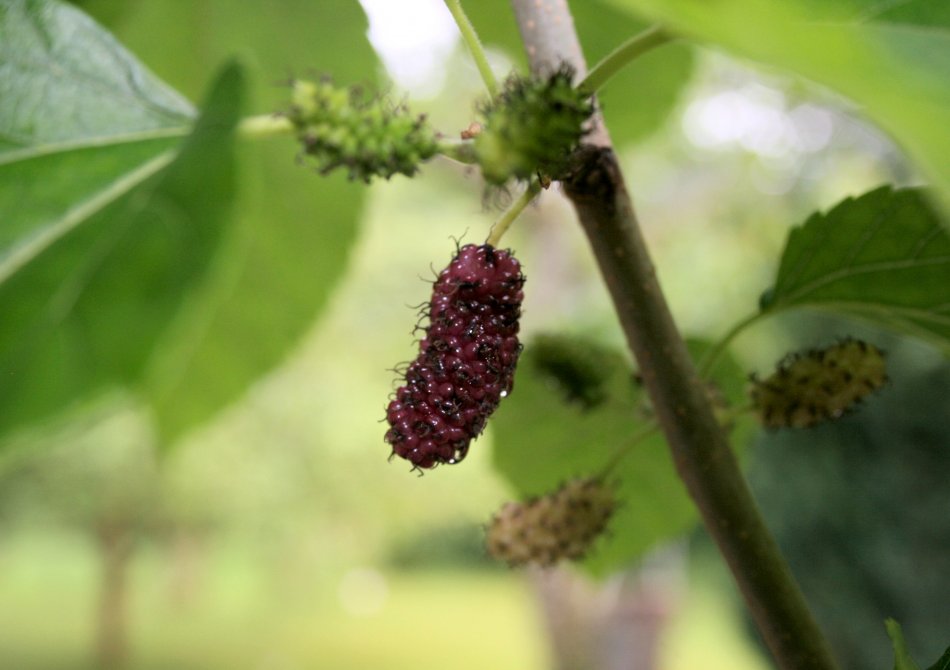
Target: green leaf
[[266, 277], [294, 227], [81, 123], [657, 77], [902, 659], [86, 308], [883, 256], [911, 12], [896, 67], [943, 663], [66, 81], [543, 438]]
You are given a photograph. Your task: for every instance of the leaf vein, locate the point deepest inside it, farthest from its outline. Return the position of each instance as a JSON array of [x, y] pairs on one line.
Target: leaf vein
[[808, 253], [40, 150], [854, 271], [867, 234], [935, 232], [25, 253]]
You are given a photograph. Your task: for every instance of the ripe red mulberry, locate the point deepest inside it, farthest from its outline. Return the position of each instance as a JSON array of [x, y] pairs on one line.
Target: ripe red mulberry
[[466, 360]]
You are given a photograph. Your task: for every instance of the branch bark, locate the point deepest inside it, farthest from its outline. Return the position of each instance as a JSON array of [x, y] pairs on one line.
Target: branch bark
[[699, 447]]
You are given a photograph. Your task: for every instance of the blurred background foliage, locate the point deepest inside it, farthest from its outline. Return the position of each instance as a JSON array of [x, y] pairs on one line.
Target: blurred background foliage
[[277, 536], [858, 507]]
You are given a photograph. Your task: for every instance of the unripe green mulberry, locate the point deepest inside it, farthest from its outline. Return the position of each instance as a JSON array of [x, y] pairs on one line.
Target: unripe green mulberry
[[819, 385], [368, 136], [532, 127], [561, 525]]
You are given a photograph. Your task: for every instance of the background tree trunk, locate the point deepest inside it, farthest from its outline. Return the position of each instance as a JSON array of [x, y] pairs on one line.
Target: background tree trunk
[[614, 625], [115, 551]]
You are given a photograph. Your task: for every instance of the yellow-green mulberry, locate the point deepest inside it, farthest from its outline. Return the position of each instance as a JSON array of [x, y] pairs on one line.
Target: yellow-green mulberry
[[532, 127], [367, 135], [819, 385], [561, 525]]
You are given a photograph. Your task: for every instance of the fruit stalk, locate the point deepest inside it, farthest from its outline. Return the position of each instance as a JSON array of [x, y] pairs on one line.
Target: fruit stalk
[[474, 45], [699, 447]]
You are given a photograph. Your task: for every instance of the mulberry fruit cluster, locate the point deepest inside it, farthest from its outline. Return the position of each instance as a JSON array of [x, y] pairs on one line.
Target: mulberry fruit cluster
[[368, 136], [532, 126], [558, 526], [466, 360], [819, 385]]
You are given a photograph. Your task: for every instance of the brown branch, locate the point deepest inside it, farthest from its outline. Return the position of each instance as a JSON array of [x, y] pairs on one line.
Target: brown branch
[[547, 31], [699, 446]]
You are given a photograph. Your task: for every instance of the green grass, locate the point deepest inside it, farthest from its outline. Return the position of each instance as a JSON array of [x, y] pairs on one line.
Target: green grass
[[246, 612], [230, 607]]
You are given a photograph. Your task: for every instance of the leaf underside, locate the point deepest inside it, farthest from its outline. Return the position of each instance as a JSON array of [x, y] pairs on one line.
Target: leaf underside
[[294, 228], [891, 58], [85, 312], [117, 271]]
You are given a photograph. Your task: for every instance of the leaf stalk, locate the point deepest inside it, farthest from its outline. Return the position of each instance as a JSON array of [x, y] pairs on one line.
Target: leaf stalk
[[264, 125], [623, 55], [470, 37]]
